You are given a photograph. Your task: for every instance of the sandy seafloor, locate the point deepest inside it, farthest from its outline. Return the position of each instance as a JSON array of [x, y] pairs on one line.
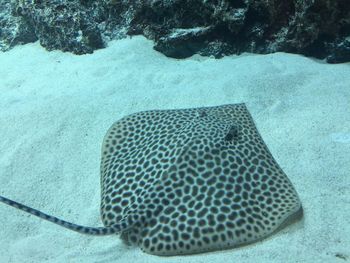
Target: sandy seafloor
[[56, 107]]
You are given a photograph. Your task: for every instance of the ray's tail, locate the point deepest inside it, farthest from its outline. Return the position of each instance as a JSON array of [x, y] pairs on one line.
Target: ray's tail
[[121, 226]]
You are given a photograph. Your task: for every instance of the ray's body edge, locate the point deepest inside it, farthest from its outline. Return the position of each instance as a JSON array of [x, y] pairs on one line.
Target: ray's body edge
[[287, 222]]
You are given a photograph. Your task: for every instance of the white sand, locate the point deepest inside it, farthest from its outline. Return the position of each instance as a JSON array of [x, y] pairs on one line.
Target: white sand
[[56, 107]]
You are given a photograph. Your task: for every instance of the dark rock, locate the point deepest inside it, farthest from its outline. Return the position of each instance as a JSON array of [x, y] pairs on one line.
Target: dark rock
[[339, 51], [13, 30], [182, 43], [63, 24], [318, 28], [314, 28]]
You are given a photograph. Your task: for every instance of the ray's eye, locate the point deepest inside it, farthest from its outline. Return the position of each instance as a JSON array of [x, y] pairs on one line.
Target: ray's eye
[[201, 114], [233, 133]]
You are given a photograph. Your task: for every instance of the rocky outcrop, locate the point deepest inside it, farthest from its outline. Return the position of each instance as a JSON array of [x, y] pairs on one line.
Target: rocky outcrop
[[65, 25], [13, 29], [179, 28]]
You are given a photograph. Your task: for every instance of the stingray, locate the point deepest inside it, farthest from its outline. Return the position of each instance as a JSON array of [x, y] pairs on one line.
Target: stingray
[[188, 181]]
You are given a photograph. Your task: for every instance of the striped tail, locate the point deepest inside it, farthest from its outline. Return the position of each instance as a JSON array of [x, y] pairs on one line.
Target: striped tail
[[121, 226]]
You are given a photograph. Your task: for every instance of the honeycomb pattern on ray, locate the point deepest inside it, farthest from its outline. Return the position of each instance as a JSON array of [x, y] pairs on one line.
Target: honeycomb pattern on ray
[[193, 180]]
